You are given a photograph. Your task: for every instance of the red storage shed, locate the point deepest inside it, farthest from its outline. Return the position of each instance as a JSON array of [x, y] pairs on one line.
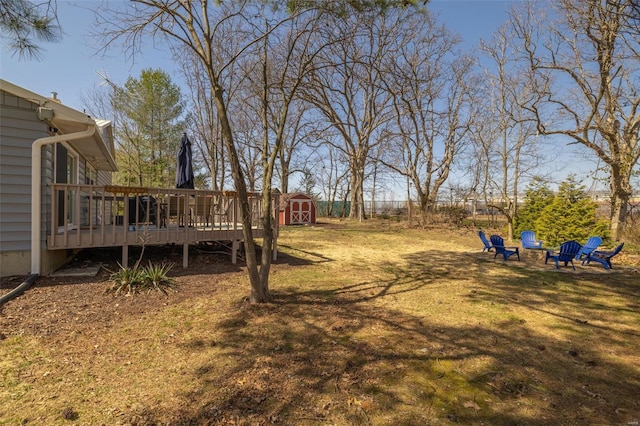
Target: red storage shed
[[296, 208]]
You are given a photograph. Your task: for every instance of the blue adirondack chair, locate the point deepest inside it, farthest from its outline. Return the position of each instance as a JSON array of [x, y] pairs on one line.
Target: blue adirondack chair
[[603, 257], [487, 244], [591, 244], [529, 241], [498, 244], [568, 251]]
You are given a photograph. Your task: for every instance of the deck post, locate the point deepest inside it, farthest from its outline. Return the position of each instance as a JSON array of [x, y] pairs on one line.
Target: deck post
[[125, 255], [234, 251], [185, 255]]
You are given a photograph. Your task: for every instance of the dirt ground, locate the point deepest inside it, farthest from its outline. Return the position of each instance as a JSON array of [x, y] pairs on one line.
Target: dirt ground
[[71, 305], [79, 293]]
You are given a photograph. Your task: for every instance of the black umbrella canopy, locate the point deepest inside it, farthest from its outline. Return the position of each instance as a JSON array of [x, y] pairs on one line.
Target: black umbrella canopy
[[184, 171]]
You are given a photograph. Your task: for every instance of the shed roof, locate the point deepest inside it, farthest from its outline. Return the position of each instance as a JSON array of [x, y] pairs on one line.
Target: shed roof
[[285, 198]]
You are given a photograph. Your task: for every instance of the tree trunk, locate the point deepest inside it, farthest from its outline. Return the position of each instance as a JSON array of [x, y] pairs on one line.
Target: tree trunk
[[267, 245], [357, 189], [511, 214], [619, 204], [259, 282]]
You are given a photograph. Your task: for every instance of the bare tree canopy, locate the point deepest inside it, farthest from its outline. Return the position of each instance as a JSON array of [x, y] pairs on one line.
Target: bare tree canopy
[[585, 62], [430, 81], [347, 88], [228, 40], [506, 134]]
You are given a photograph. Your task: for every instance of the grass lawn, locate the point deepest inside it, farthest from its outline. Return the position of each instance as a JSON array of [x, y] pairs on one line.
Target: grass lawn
[[372, 324]]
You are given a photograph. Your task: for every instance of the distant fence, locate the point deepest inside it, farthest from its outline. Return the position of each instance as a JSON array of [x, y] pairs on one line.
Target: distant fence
[[386, 208], [343, 208], [401, 207], [335, 209]]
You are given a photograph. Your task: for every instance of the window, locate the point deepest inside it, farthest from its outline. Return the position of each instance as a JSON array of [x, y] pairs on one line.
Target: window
[[65, 171], [90, 174]]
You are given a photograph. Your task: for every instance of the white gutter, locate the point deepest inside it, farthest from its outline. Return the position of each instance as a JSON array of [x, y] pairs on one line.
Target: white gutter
[[36, 188]]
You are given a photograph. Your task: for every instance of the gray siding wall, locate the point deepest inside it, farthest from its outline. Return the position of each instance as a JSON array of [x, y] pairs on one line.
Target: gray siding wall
[[104, 178], [19, 127]]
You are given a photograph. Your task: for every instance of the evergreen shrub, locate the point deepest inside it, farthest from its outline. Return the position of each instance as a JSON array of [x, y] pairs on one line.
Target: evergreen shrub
[[567, 215]]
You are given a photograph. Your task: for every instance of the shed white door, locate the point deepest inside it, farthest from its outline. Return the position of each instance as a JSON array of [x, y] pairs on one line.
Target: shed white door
[[300, 211]]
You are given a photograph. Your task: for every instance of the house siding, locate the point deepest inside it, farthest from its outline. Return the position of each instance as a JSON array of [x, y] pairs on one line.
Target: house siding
[[104, 178], [19, 127]]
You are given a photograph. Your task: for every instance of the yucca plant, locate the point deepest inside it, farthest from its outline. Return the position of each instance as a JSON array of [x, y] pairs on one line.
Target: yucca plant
[[127, 280], [155, 276], [150, 277]]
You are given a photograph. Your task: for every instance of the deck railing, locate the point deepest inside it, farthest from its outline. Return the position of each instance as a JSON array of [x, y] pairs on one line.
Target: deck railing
[[84, 216]]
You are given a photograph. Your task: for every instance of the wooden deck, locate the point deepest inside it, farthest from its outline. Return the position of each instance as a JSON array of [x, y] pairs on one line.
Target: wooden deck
[[84, 216], [143, 234]]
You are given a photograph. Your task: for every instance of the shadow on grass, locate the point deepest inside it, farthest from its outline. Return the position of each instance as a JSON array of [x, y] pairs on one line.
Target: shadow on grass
[[208, 260], [292, 260], [340, 357]]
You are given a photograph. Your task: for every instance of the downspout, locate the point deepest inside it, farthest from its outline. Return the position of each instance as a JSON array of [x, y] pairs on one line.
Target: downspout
[[36, 188], [28, 282]]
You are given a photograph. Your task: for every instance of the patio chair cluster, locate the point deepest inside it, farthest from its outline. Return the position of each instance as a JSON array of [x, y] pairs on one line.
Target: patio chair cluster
[[587, 253], [566, 253], [206, 210], [496, 243]]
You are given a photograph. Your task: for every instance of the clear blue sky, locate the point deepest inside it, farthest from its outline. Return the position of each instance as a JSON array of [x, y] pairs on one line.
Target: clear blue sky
[[69, 68]]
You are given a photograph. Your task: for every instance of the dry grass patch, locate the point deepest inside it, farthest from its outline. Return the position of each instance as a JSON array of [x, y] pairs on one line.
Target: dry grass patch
[[370, 324]]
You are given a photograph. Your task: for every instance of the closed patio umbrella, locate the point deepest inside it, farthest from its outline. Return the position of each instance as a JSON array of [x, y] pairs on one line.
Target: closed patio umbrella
[[184, 170]]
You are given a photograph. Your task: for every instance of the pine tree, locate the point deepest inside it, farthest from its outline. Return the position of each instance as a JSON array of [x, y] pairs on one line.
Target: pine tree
[[24, 24], [570, 216], [538, 196], [148, 129]]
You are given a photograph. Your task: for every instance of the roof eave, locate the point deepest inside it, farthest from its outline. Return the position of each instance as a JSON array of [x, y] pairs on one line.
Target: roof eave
[[67, 120]]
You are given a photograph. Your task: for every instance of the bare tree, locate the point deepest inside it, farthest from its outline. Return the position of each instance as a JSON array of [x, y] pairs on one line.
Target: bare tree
[[430, 89], [270, 92], [478, 158], [203, 121], [294, 152], [346, 86], [585, 60], [197, 26], [508, 133], [250, 30], [98, 101], [332, 171]]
